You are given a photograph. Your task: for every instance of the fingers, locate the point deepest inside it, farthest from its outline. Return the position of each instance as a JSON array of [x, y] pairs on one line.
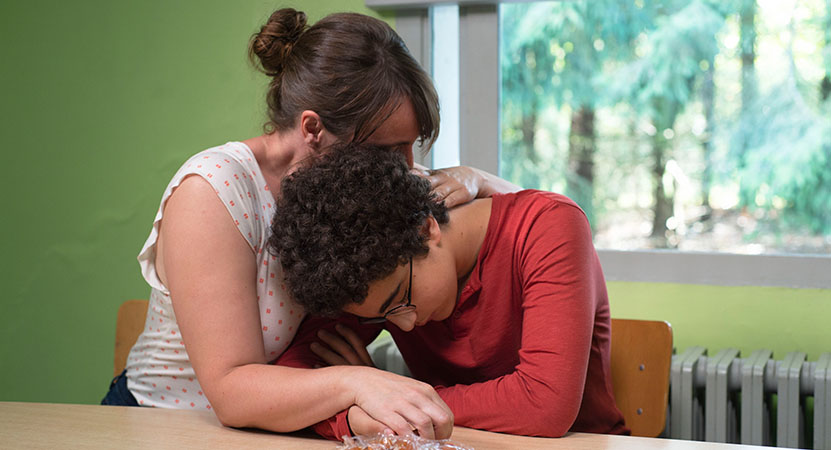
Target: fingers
[[443, 422], [437, 413], [362, 423], [346, 349], [426, 420], [452, 194], [327, 355], [400, 425], [404, 405], [356, 343], [456, 185], [457, 197], [442, 186], [417, 422]]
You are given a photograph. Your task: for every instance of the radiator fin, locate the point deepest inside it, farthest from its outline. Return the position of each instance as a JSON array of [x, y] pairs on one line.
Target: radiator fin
[[733, 397]]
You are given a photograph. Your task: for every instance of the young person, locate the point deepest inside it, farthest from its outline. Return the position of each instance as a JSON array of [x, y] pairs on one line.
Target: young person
[[217, 313], [500, 304]]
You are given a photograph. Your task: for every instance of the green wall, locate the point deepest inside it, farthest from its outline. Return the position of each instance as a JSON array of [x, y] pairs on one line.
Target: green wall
[[747, 318], [101, 102]]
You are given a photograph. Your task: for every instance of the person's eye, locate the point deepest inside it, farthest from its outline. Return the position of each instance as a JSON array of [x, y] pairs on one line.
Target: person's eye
[[397, 306]]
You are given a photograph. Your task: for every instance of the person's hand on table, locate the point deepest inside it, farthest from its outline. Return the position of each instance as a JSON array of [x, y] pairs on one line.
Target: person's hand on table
[[361, 423], [384, 400], [402, 404]]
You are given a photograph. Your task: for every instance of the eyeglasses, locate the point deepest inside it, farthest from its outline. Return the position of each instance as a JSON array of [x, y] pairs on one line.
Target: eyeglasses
[[398, 310]]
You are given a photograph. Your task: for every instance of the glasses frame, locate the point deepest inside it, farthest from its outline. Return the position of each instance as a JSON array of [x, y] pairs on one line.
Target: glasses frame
[[398, 310]]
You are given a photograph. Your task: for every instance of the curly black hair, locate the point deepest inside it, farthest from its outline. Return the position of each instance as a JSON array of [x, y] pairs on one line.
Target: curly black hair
[[346, 220]]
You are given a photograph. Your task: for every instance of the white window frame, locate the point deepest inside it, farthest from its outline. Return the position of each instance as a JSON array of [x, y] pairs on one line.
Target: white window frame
[[479, 147]]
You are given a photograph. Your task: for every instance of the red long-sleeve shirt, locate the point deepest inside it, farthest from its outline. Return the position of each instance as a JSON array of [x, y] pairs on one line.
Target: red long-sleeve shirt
[[526, 350]]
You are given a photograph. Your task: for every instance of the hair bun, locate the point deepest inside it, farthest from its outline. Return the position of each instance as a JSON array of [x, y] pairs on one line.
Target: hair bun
[[273, 44]]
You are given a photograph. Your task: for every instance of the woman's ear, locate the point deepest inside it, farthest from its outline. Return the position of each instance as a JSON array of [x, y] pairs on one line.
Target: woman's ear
[[314, 133]]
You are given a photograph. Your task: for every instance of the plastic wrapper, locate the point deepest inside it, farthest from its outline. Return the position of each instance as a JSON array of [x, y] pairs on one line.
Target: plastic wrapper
[[395, 442]]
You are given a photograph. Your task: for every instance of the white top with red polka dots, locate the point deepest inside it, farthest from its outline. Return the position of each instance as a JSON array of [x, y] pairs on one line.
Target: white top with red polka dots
[[159, 372]]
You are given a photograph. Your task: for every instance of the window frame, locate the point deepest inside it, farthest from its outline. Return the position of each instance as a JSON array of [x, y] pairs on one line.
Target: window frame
[[479, 147]]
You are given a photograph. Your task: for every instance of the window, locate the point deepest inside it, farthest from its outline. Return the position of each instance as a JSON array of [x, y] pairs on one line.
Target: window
[[694, 125], [481, 133]]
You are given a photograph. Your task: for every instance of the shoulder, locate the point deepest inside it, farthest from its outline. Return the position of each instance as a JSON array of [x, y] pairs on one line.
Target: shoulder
[[541, 225], [233, 160], [534, 203], [230, 170], [215, 182]]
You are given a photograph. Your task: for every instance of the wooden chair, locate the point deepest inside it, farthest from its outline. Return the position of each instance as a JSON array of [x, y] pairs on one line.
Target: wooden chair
[[641, 358], [128, 326]]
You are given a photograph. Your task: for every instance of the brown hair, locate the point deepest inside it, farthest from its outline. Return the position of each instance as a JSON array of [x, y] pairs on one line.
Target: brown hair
[[352, 70]]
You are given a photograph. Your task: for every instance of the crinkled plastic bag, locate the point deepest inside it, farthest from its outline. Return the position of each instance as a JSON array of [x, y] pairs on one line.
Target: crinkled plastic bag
[[395, 442]]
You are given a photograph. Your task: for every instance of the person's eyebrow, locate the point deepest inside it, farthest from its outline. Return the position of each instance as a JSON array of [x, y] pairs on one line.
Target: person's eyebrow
[[389, 300]]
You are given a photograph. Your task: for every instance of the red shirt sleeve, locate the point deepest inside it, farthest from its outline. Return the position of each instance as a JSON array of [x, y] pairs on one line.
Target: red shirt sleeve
[[299, 355], [558, 269]]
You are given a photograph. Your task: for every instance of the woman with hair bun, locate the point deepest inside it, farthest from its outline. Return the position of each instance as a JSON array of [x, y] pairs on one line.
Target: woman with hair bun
[[219, 311]]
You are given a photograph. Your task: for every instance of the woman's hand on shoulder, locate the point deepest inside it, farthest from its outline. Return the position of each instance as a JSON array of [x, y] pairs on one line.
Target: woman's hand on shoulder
[[455, 185], [461, 184]]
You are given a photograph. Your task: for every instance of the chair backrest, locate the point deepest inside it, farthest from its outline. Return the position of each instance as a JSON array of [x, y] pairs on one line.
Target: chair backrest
[[128, 327], [641, 358]]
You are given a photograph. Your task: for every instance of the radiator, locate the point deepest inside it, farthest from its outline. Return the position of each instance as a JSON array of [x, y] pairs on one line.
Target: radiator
[[727, 398]]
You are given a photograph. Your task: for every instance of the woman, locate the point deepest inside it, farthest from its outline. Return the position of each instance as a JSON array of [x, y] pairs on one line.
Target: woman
[[218, 311]]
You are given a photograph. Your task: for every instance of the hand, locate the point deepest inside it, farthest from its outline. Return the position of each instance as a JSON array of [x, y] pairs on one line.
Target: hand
[[402, 404], [344, 350], [362, 423], [455, 185]]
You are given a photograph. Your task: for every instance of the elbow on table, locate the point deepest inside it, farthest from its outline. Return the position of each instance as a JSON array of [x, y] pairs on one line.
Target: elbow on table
[[229, 417], [549, 425], [553, 418], [240, 418], [232, 417]]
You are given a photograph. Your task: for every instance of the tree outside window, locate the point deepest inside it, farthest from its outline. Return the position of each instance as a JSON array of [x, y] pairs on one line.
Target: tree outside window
[[696, 125]]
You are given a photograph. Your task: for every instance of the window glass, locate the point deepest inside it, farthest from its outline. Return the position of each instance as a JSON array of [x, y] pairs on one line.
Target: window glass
[[694, 125]]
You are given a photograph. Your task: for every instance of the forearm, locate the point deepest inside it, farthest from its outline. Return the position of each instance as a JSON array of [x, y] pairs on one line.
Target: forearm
[[279, 398], [492, 184], [515, 404]]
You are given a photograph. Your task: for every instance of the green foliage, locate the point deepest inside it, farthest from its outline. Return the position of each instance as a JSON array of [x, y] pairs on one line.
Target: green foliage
[[639, 66], [662, 82], [788, 154], [551, 54], [555, 50]]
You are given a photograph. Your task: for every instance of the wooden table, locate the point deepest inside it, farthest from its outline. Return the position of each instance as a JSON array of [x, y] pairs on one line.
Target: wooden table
[[51, 426]]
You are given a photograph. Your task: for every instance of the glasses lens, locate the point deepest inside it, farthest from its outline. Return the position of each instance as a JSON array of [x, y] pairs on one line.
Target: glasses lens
[[398, 310]]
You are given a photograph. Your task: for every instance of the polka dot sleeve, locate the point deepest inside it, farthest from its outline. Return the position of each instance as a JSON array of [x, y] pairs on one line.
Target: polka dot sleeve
[[235, 186]]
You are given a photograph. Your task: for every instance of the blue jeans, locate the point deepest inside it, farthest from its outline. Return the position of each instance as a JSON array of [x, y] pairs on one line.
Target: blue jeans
[[119, 395]]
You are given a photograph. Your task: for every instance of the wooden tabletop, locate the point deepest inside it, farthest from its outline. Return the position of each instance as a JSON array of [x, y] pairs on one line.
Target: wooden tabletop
[[50, 426]]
